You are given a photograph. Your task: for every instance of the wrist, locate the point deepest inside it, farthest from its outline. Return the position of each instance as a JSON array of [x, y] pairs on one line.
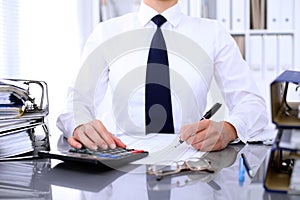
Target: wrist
[[230, 130]]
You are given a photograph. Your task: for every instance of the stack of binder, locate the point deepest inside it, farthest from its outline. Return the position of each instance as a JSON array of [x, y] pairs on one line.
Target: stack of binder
[[23, 118], [283, 167]]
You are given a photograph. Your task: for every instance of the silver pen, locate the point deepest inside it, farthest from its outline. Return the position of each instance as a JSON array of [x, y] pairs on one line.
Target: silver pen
[[207, 115]]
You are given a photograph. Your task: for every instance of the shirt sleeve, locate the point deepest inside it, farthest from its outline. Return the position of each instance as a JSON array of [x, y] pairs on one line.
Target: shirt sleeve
[[92, 79], [247, 108]]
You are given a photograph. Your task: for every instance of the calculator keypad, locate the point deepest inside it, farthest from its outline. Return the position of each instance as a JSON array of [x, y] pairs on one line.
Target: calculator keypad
[[116, 153]]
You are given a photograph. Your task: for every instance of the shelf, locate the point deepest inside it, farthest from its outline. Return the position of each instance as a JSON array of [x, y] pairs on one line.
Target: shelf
[[265, 31], [271, 32], [237, 33]]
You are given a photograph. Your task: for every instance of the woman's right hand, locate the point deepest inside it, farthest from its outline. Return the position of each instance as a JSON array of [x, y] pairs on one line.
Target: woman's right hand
[[93, 135]]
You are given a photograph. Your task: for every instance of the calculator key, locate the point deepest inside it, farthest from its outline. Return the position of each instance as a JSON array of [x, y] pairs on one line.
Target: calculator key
[[114, 156], [102, 155]]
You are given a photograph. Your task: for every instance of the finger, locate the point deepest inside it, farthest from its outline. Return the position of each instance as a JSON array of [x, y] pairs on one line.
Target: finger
[[74, 143], [199, 137], [205, 145], [188, 131], [118, 142], [192, 138], [203, 124], [96, 138], [86, 141], [210, 143], [106, 136], [211, 147]]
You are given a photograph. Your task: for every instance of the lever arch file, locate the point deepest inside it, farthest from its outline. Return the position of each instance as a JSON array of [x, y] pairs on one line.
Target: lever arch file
[[284, 111], [23, 110], [280, 175]]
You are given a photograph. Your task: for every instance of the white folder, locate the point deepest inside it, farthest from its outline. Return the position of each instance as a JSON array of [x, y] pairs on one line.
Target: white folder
[[273, 14], [223, 12], [285, 52], [195, 8], [270, 52], [238, 19], [286, 19], [270, 57], [256, 53], [280, 14], [220, 10]]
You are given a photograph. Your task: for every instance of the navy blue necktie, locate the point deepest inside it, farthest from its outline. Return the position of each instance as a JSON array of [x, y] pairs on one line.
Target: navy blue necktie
[[158, 107]]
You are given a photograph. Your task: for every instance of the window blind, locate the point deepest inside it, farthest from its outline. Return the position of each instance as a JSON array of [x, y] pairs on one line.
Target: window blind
[[9, 38]]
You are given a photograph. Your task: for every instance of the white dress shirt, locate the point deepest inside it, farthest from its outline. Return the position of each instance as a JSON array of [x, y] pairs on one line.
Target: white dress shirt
[[201, 52]]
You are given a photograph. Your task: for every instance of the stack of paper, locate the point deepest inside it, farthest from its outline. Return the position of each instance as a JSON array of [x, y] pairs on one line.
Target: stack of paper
[[8, 148], [23, 109], [12, 97]]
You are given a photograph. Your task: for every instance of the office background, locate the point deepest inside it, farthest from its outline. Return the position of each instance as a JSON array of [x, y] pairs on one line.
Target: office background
[[43, 39]]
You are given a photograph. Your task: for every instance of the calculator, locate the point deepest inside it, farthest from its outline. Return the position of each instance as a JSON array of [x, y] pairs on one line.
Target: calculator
[[105, 159]]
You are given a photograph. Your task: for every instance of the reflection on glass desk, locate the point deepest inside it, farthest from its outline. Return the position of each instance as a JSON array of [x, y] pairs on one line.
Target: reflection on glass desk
[[23, 180], [45, 179]]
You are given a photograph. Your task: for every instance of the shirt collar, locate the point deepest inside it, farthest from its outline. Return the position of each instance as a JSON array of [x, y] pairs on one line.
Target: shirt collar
[[146, 13]]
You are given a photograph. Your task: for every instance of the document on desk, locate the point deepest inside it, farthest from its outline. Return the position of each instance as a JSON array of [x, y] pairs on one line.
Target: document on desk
[[161, 148]]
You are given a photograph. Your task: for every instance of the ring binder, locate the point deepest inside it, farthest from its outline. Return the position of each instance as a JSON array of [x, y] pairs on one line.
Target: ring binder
[[285, 151], [24, 106]]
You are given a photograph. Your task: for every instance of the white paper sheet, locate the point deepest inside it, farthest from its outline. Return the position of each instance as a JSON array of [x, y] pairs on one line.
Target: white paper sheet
[[161, 148]]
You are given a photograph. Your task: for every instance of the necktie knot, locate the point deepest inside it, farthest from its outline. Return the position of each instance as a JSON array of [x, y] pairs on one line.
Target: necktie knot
[[159, 20]]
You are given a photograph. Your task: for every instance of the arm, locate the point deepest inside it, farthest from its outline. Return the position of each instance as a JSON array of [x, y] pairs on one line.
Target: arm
[[247, 110], [241, 96], [78, 121]]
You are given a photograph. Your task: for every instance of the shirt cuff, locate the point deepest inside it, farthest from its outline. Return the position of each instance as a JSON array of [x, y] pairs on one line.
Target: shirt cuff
[[240, 128]]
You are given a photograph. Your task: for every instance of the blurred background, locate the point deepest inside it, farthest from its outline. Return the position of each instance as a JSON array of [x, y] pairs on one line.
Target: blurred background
[[43, 39]]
